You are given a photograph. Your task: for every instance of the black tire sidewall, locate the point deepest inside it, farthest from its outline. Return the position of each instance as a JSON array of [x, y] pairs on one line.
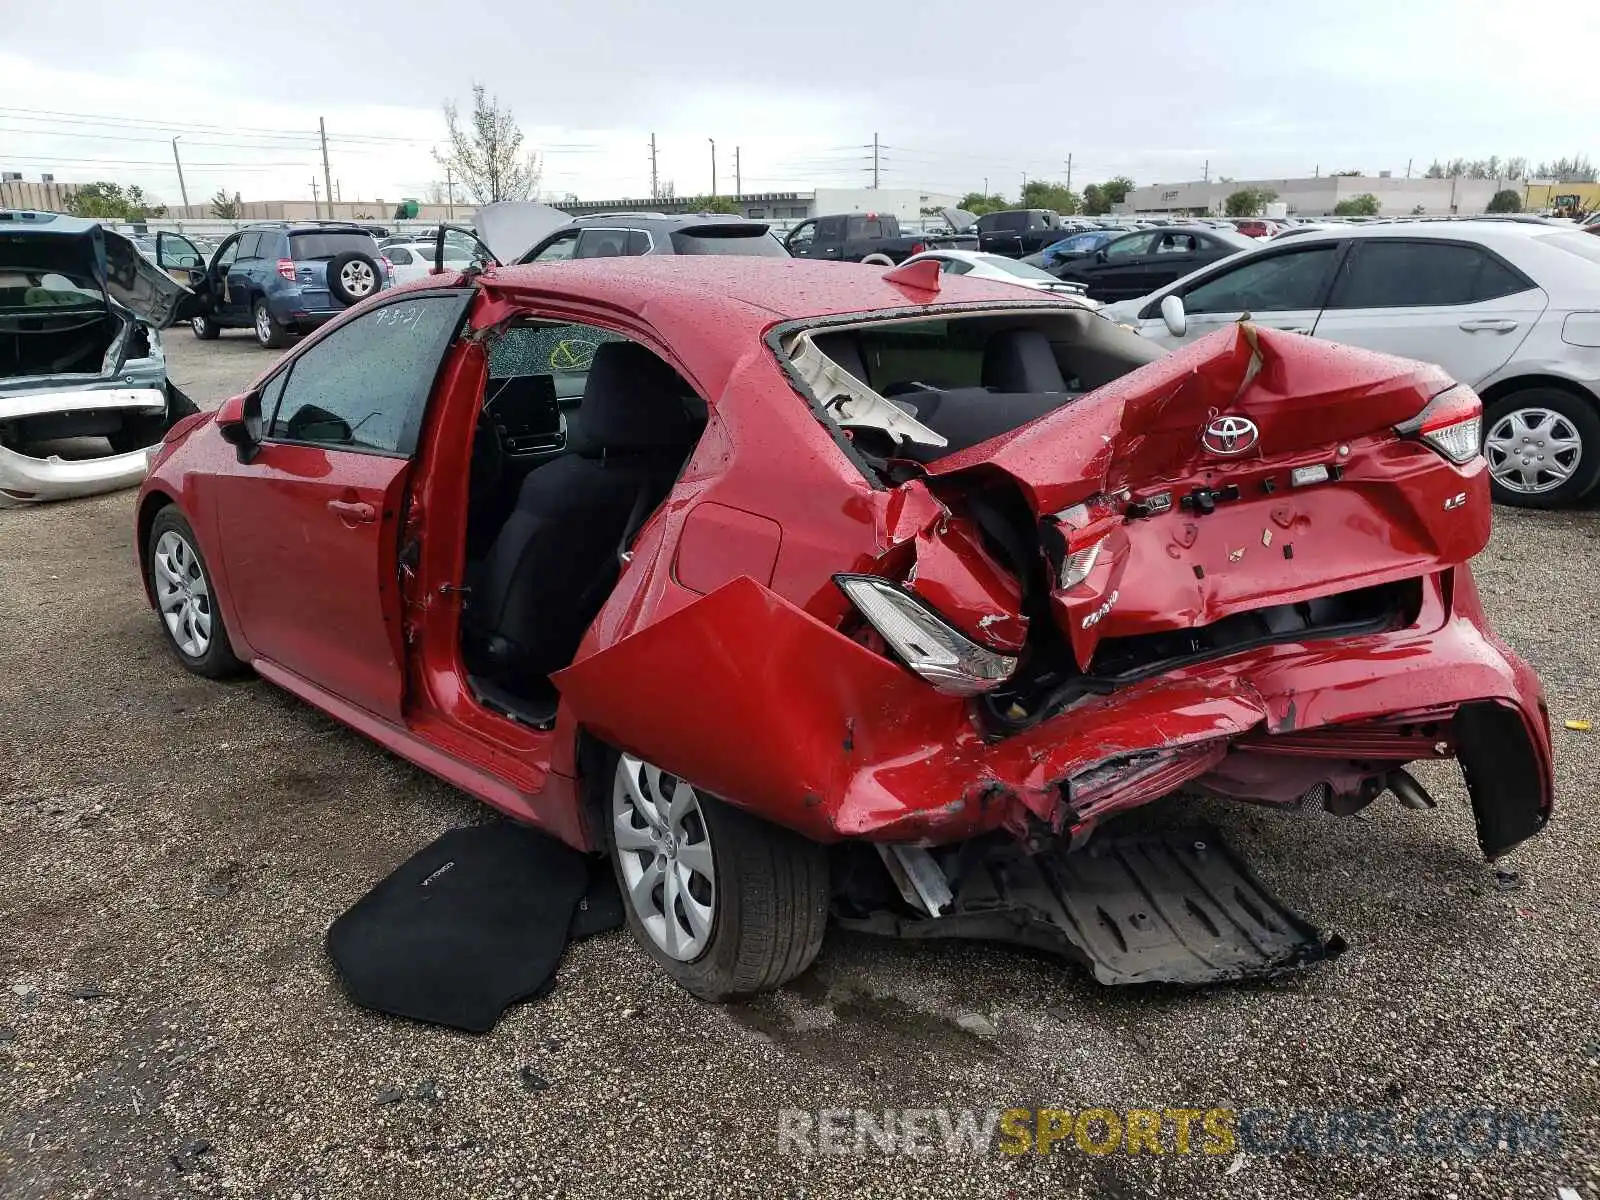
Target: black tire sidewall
[[336, 286], [211, 329], [1585, 418], [218, 660], [715, 975]]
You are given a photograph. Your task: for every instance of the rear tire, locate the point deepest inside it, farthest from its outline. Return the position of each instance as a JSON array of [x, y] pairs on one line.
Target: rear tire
[[877, 260], [269, 334], [186, 598], [1541, 420], [766, 892]]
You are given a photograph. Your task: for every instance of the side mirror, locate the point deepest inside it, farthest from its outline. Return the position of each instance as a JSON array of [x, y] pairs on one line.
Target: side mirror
[[1172, 313], [239, 423]]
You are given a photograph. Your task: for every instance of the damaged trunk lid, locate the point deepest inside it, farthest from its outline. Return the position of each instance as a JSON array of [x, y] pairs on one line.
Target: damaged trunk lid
[[1254, 472], [41, 252]]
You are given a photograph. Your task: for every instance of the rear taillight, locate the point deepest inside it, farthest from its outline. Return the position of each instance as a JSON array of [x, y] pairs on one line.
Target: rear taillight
[[941, 654], [1085, 533], [286, 267], [388, 266], [1452, 424]]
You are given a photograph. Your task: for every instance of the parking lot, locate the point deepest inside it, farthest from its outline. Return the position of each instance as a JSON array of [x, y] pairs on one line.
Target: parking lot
[[173, 850]]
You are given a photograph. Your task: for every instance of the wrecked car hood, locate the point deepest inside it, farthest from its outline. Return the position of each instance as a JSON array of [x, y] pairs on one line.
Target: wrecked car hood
[[89, 254], [959, 218], [511, 227]]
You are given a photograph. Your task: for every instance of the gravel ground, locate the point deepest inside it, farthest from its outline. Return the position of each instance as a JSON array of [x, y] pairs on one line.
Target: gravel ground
[[172, 851]]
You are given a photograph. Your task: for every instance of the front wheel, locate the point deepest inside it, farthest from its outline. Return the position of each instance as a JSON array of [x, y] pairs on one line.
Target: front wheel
[[1543, 447], [726, 904], [186, 600], [205, 327]]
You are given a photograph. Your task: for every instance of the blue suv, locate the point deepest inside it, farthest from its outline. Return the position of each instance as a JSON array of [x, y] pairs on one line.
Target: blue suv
[[278, 278]]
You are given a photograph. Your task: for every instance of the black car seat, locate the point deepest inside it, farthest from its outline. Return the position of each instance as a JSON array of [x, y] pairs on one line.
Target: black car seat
[[554, 561], [1021, 360]]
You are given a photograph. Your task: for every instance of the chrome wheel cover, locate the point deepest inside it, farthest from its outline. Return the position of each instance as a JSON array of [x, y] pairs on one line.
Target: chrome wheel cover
[[183, 595], [263, 323], [1533, 450], [669, 875]]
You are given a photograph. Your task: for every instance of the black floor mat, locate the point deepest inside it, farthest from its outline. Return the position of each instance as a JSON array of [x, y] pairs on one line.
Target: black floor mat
[[471, 924]]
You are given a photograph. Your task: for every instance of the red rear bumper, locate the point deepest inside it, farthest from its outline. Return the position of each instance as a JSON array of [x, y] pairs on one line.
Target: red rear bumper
[[808, 729]]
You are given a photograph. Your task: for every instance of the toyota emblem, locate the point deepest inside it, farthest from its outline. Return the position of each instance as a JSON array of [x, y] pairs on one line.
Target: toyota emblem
[[1230, 435]]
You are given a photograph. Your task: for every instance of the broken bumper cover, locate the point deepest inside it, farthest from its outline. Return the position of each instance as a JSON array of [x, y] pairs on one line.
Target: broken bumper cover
[[27, 479], [795, 722]]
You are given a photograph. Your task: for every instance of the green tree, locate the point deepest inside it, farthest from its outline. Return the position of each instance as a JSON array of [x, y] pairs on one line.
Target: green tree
[[714, 204], [113, 201], [1098, 198], [224, 209], [1042, 193], [1248, 202], [1506, 200], [486, 155], [1364, 205], [977, 203]]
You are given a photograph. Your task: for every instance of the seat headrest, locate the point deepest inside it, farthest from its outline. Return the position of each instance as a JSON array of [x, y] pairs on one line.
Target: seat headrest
[[632, 401], [1021, 360]]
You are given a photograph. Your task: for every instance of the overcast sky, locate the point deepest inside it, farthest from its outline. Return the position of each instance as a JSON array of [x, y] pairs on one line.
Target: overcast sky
[[958, 92]]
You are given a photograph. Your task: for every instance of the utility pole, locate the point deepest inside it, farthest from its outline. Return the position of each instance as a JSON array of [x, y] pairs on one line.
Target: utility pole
[[713, 142], [738, 180], [449, 194], [327, 175], [1069, 170], [315, 206], [182, 187], [985, 187], [338, 189], [1206, 174], [874, 162], [1408, 168], [655, 186]]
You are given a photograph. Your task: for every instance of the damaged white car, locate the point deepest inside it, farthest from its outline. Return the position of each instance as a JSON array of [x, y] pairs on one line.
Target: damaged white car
[[84, 394]]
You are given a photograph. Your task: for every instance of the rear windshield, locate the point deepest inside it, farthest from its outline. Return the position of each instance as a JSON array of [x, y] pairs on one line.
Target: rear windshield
[[304, 246], [1584, 245], [751, 241]]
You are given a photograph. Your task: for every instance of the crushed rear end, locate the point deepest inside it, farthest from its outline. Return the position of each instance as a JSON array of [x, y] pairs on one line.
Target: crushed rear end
[[1240, 571]]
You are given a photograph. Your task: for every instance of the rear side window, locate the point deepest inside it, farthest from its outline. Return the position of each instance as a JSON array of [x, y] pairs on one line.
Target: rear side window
[[247, 245], [307, 246], [1271, 283], [1385, 274], [365, 385], [601, 243], [1012, 221], [861, 227], [748, 241], [398, 255]]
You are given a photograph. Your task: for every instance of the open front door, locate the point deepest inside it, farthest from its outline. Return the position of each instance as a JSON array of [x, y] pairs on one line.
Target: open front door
[[309, 526]]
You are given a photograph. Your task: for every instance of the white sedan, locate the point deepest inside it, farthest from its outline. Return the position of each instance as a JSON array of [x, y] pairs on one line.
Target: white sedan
[[1004, 270], [413, 260], [1510, 309]]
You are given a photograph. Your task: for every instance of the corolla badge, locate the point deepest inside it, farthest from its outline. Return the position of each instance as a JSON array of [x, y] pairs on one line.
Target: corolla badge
[[1230, 435]]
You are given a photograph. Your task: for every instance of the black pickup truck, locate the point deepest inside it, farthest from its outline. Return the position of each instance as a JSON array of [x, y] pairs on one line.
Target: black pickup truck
[[1016, 232], [873, 238]]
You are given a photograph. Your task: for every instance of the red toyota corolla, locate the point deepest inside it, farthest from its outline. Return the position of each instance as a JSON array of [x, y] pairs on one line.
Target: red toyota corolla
[[758, 575]]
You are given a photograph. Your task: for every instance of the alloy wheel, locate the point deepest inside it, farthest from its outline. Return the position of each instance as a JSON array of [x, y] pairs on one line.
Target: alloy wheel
[[1533, 450], [358, 277], [263, 324], [664, 847], [182, 594], [198, 324]]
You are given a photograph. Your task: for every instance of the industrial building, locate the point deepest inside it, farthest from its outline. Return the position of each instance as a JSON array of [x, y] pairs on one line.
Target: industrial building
[[1318, 195]]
